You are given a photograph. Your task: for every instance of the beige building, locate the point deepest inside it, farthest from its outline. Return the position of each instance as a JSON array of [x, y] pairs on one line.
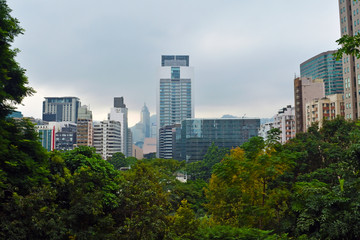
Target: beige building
[[350, 25], [285, 121], [305, 90], [85, 130], [137, 152], [325, 108]]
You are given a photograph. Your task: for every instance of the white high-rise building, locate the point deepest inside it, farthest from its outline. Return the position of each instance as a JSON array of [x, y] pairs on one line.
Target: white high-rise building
[[175, 99], [107, 138], [120, 113]]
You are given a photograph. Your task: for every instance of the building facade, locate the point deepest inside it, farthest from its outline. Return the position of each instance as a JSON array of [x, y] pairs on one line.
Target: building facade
[[61, 109], [195, 136], [107, 138], [350, 25], [175, 101], [327, 108], [85, 130], [120, 113], [324, 66], [285, 121], [305, 90], [167, 136]]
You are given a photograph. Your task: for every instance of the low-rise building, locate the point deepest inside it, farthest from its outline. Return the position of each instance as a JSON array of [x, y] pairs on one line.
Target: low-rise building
[[327, 108]]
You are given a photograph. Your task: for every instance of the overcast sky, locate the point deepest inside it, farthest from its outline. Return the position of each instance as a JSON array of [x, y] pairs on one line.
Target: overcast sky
[[244, 53]]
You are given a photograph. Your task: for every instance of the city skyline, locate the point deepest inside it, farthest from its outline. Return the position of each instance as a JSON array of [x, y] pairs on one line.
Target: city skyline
[[99, 51]]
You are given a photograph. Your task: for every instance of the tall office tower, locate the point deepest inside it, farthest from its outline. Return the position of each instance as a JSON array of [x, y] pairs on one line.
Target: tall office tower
[[350, 25], [61, 109], [107, 138], [145, 120], [85, 130], [324, 66], [305, 90], [120, 113], [285, 121], [175, 96], [129, 143]]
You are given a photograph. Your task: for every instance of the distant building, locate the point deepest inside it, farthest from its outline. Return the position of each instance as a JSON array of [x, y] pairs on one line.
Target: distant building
[[195, 136], [65, 138], [305, 90], [149, 146], [46, 136], [167, 136], [107, 138], [327, 108], [175, 100], [61, 109], [85, 130], [137, 152], [265, 128], [324, 66], [15, 114], [129, 143], [285, 121], [145, 120], [57, 135], [120, 113]]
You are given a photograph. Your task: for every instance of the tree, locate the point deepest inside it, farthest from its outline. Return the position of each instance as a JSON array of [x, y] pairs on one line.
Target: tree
[[12, 77], [242, 189]]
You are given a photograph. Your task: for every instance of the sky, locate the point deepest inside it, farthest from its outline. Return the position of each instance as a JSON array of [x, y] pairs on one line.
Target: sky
[[245, 54]]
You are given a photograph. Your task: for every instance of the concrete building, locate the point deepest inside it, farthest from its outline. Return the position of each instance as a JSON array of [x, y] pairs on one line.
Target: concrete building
[[61, 109], [85, 130], [264, 129], [57, 135], [107, 138], [350, 25], [327, 108], [167, 136], [46, 136], [305, 90], [285, 121], [324, 66], [149, 146], [175, 100], [137, 152], [120, 113], [195, 136]]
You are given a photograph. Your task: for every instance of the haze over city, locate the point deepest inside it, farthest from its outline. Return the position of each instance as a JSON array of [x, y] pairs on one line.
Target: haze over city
[[244, 53]]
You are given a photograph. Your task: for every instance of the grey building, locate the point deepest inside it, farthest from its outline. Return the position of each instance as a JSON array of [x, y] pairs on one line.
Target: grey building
[[167, 136], [65, 139], [175, 96], [324, 66], [60, 109], [195, 136]]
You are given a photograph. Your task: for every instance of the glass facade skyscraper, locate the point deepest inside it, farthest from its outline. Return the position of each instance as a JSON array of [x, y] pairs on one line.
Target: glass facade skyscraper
[[324, 66], [175, 96], [195, 136]]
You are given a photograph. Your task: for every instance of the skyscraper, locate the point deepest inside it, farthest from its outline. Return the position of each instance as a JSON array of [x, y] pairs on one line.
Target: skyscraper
[[145, 120], [120, 113], [175, 96], [350, 25], [60, 109], [327, 68]]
